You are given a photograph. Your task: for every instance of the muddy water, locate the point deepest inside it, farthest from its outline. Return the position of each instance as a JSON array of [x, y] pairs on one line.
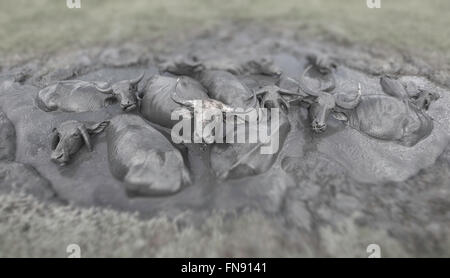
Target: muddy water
[[342, 154]]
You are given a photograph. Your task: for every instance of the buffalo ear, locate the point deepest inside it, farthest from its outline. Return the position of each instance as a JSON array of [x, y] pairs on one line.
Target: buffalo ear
[[97, 128], [339, 116]]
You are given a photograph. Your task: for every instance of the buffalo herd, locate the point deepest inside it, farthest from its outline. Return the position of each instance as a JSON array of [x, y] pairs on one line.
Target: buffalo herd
[[150, 163]]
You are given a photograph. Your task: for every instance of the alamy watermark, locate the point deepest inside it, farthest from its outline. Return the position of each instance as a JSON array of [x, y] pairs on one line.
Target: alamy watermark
[[373, 250], [71, 4], [373, 4], [73, 250], [212, 125]]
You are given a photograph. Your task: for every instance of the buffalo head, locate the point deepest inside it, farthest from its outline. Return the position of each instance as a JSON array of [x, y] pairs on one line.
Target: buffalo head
[[323, 63], [424, 99], [209, 112], [181, 65], [70, 136], [125, 92], [322, 104], [272, 96], [420, 97], [263, 65]]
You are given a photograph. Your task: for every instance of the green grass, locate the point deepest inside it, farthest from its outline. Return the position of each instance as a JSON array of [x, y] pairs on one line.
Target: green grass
[[39, 26]]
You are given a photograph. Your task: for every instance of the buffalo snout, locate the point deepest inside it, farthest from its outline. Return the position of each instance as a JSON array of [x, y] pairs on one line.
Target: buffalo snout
[[318, 127], [59, 157]]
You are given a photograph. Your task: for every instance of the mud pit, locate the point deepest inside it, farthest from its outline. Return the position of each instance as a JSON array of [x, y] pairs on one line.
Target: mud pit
[[315, 181]]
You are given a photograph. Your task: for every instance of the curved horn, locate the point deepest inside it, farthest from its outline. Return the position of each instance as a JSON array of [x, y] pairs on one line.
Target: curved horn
[[289, 86], [177, 99], [287, 92], [302, 84], [97, 128], [86, 137], [349, 104], [104, 91], [137, 80], [253, 106], [255, 100]]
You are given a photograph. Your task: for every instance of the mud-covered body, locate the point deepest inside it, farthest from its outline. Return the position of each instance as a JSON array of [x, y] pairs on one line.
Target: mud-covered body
[[72, 96], [70, 136], [157, 104], [7, 138], [389, 118], [238, 160], [83, 96], [226, 87], [219, 79], [143, 158]]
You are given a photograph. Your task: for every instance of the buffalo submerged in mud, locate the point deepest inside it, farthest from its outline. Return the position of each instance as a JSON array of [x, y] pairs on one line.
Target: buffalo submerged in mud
[[219, 80], [237, 160], [68, 138], [166, 98], [395, 116], [141, 156], [157, 104], [82, 96]]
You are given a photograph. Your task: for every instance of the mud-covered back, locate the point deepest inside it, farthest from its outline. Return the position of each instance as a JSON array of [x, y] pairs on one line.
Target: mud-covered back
[[157, 104], [227, 88]]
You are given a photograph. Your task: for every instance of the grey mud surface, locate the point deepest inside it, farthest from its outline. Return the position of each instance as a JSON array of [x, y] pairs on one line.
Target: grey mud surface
[[317, 183]]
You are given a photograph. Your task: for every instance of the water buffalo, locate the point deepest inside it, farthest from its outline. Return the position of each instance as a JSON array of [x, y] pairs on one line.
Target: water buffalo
[[7, 138], [261, 65], [323, 63], [322, 103], [156, 103], [165, 95], [221, 84], [226, 87], [388, 118], [82, 96], [185, 65], [287, 89], [237, 160], [68, 138], [325, 67], [143, 158], [419, 97], [280, 95], [393, 117]]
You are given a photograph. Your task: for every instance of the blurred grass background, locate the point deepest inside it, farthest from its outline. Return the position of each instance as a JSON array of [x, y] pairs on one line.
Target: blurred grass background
[[40, 26]]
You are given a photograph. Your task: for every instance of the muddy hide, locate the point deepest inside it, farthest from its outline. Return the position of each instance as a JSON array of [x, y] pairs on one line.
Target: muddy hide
[[237, 160]]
